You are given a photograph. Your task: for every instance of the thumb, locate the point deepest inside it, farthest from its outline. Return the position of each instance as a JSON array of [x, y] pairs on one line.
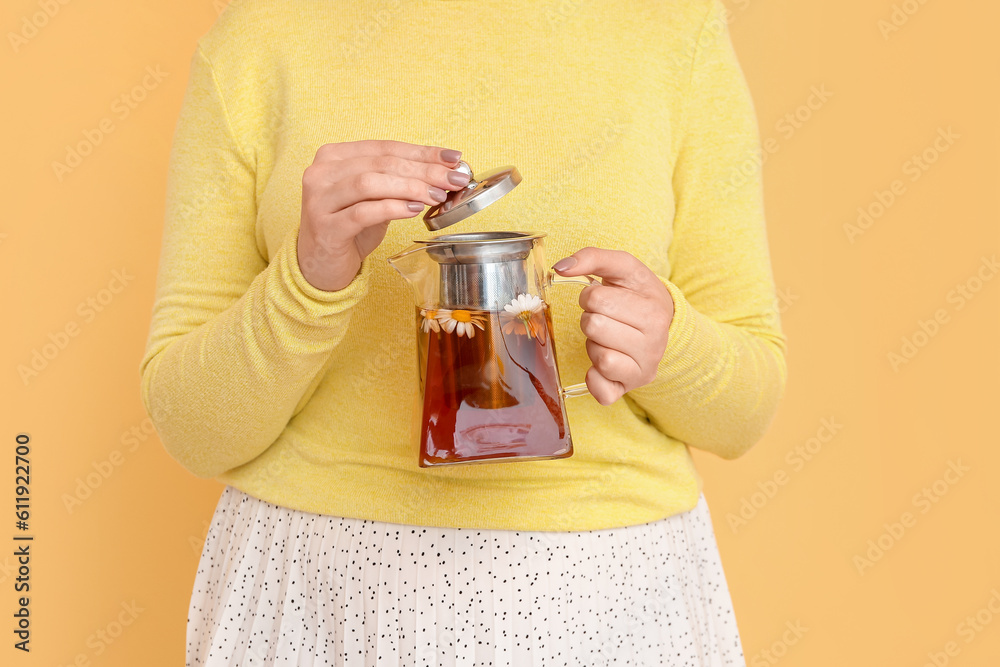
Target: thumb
[[577, 264], [616, 267]]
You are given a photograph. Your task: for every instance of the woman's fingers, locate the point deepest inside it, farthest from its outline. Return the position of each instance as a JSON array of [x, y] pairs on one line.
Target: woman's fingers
[[630, 292], [340, 163], [614, 267], [373, 186], [626, 319], [442, 176], [611, 333], [376, 147], [344, 226], [334, 184], [614, 365], [603, 390], [622, 304], [353, 189], [366, 214]]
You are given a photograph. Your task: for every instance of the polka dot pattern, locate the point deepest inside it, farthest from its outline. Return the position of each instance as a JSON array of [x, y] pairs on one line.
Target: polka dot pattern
[[277, 586]]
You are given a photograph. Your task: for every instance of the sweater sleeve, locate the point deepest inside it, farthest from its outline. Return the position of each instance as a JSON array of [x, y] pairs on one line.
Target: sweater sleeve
[[237, 344], [723, 372]]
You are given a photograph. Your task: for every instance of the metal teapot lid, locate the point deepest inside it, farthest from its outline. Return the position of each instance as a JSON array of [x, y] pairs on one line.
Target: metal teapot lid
[[481, 191]]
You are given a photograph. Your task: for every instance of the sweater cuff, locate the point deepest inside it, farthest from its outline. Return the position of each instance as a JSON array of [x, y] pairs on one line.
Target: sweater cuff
[[315, 305], [684, 352]]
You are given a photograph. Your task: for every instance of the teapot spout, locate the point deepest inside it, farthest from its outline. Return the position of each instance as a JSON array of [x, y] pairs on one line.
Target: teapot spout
[[420, 271]]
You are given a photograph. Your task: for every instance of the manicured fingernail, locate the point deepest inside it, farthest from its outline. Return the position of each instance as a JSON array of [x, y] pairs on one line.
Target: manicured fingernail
[[450, 155], [564, 264], [415, 206], [458, 178], [437, 194]]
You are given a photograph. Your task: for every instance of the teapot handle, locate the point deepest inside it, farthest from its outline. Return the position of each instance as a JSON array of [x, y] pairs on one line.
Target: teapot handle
[[556, 279], [579, 389]]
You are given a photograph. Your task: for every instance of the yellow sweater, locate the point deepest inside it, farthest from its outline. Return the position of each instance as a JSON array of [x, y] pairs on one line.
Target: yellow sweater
[[633, 130]]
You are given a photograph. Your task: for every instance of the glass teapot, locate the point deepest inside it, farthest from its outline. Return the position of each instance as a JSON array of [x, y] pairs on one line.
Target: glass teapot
[[489, 385]]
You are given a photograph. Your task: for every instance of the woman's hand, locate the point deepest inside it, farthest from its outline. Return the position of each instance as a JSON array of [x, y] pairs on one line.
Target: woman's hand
[[351, 192], [625, 319]]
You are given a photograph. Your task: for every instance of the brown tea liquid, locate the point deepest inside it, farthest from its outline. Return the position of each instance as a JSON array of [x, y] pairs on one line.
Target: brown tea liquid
[[493, 396]]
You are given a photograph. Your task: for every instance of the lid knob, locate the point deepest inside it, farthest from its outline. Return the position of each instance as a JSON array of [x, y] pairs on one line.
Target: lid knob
[[474, 197]]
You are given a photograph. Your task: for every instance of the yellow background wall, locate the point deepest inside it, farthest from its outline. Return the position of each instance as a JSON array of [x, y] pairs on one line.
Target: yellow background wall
[[861, 531]]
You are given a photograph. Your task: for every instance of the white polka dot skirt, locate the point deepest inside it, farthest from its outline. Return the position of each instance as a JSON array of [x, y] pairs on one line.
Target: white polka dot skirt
[[277, 586]]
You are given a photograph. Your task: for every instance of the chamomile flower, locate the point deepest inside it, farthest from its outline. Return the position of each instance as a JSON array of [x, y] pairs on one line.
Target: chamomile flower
[[523, 315], [430, 321], [461, 321]]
